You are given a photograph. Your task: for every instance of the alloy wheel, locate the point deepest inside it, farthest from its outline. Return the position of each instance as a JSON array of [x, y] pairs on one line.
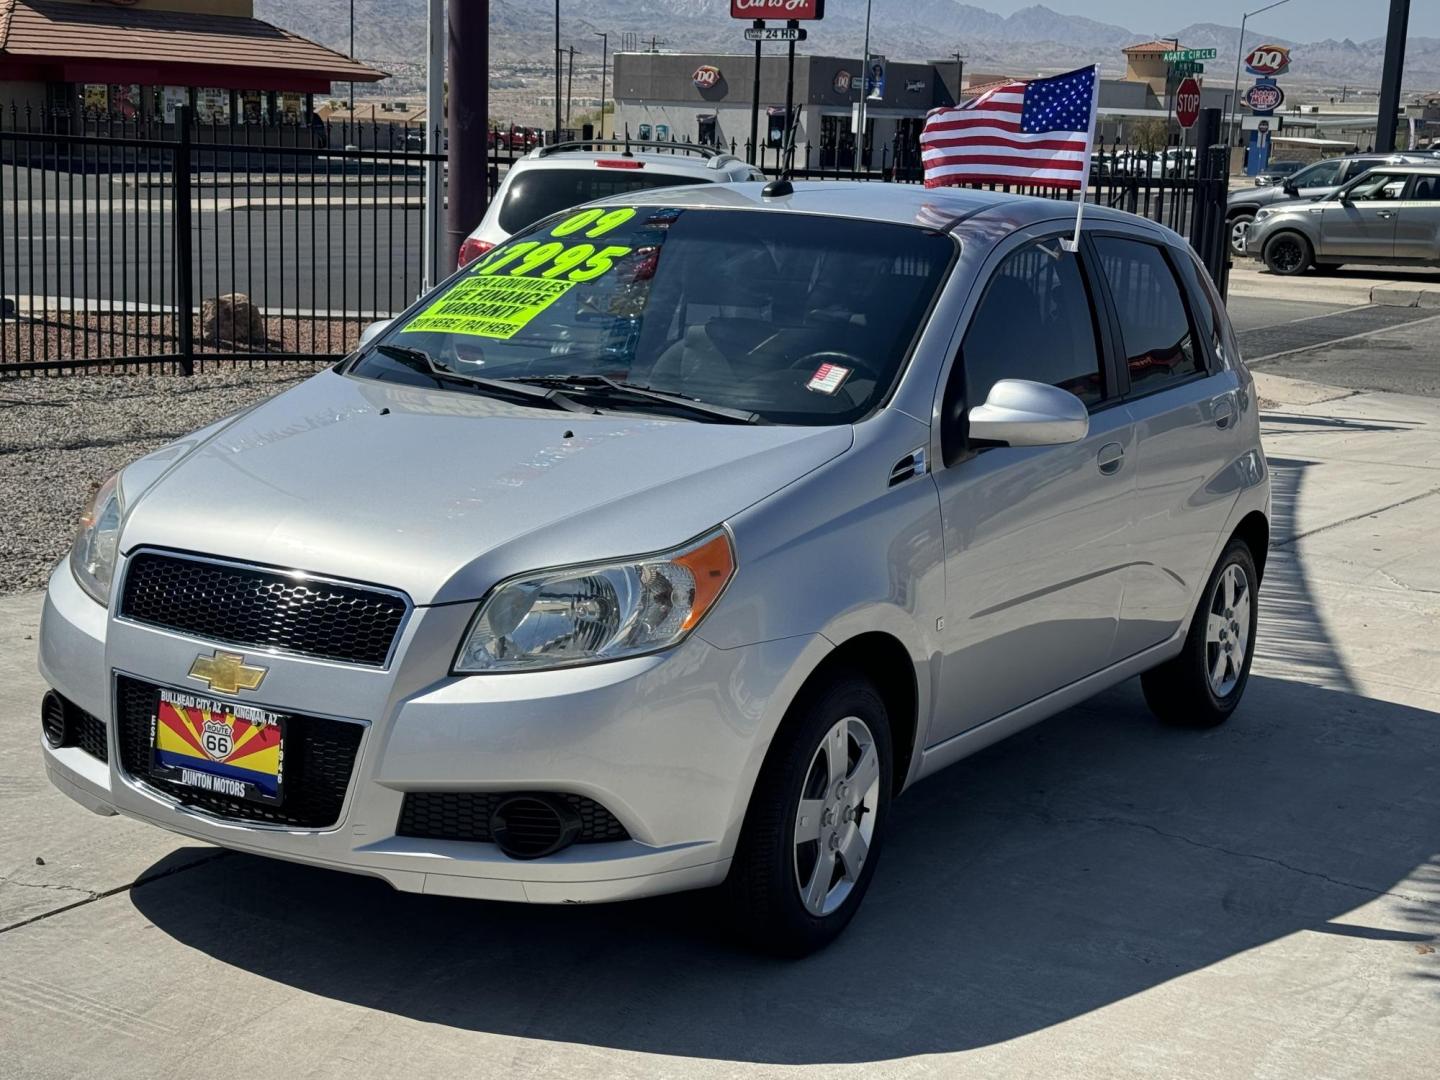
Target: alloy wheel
[[835, 821], [1227, 633], [1237, 234], [1286, 255]]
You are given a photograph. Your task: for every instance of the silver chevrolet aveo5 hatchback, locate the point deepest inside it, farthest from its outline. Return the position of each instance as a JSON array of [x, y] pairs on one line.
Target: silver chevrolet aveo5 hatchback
[[662, 547]]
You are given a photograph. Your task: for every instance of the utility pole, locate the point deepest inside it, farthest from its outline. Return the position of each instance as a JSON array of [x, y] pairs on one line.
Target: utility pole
[[434, 143], [557, 70], [1390, 78], [959, 73], [655, 44], [352, 57], [754, 156], [864, 79], [604, 60], [569, 86], [468, 121]]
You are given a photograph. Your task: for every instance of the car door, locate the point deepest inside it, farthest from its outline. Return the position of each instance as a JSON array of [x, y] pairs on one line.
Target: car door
[[1035, 537], [1417, 228], [1185, 407], [1359, 223]]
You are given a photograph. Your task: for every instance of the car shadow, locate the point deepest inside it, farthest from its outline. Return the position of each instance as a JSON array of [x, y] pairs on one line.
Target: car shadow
[[1081, 862]]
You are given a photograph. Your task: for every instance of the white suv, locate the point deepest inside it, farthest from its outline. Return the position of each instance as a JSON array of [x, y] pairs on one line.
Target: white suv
[[554, 178]]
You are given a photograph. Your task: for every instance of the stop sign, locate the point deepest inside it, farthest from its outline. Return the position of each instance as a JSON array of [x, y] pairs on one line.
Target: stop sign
[[1187, 103]]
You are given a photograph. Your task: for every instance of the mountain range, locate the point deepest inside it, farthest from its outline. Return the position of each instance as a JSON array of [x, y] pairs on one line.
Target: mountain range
[[391, 35]]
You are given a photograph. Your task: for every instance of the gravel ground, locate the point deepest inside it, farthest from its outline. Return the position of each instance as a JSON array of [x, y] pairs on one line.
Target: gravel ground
[[59, 437]]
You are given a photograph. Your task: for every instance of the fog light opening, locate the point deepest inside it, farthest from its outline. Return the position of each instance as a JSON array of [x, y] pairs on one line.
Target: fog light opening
[[533, 826], [54, 720]]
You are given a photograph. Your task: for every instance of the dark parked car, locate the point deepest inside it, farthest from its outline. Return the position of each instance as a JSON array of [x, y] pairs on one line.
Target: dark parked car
[[1277, 171]]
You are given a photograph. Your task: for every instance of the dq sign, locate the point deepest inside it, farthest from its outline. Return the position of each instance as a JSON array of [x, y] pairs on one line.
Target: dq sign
[[1268, 60], [706, 77], [777, 9], [1263, 98]]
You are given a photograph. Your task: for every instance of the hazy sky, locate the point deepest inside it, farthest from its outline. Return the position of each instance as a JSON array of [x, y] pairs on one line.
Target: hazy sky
[[1299, 20]]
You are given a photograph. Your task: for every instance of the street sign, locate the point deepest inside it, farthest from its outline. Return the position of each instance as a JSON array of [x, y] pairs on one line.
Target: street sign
[[1189, 54], [779, 10], [1187, 103], [775, 33], [1187, 67]]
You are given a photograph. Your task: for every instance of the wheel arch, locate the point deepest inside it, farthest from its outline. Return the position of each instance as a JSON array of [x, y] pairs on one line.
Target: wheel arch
[[1254, 529]]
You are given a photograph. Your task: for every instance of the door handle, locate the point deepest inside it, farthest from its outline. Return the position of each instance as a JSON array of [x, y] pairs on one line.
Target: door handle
[[1222, 411], [1110, 458], [1385, 214]]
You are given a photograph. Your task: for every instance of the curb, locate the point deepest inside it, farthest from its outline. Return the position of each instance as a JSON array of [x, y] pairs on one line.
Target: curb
[[1423, 296]]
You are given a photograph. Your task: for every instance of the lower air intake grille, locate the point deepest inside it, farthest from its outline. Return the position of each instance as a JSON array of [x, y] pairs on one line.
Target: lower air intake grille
[[465, 815], [319, 757], [66, 724]]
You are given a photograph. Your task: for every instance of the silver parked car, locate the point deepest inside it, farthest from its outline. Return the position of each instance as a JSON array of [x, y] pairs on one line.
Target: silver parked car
[[1317, 181], [1389, 215], [663, 546]]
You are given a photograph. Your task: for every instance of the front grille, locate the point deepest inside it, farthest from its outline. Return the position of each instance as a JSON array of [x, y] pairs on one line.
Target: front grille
[[319, 757], [465, 815], [262, 609], [66, 724]]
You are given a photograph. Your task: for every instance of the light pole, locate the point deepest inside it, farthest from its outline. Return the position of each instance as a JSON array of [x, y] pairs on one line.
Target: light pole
[[604, 57], [1239, 56], [352, 57], [557, 70], [864, 79]]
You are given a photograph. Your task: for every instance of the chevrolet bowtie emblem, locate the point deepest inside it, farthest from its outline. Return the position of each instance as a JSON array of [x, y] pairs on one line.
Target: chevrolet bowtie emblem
[[226, 672]]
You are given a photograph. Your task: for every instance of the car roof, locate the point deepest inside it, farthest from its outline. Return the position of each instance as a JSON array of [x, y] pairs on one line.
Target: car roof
[[1420, 168], [867, 200], [656, 160]]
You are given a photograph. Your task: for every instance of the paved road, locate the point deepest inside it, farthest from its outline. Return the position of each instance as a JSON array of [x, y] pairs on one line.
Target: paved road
[[1364, 347]]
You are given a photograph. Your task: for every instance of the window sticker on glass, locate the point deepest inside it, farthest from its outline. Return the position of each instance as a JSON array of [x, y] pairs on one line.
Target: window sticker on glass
[[828, 378], [493, 307]]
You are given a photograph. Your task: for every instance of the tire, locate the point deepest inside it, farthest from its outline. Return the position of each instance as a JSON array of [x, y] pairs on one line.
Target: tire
[[1187, 691], [1236, 226], [1288, 254], [771, 895]]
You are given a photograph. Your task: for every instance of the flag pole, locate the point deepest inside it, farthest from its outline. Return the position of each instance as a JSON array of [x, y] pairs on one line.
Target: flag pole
[[1074, 245]]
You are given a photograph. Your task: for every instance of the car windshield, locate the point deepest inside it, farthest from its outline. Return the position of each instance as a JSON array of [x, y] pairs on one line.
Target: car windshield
[[537, 193], [1317, 175], [798, 319]]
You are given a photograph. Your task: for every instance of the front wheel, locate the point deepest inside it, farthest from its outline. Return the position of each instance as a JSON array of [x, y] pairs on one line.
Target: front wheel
[[812, 835], [1203, 685], [1288, 254]]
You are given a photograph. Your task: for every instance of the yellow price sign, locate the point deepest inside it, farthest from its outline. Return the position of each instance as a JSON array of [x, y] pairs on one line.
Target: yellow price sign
[[493, 307]]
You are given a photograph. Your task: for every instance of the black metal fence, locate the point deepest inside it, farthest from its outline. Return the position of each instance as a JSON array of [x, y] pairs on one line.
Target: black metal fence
[[167, 247]]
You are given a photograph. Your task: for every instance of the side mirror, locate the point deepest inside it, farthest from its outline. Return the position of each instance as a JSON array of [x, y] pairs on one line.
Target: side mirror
[[374, 330], [1019, 412], [1289, 186]]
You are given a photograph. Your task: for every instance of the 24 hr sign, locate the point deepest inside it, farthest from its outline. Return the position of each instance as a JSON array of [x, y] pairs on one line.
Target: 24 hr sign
[[777, 9]]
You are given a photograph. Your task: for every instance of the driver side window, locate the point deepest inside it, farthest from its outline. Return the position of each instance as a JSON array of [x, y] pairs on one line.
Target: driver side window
[[1034, 321]]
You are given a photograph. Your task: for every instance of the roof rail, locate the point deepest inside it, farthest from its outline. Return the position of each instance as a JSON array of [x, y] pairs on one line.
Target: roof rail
[[628, 145]]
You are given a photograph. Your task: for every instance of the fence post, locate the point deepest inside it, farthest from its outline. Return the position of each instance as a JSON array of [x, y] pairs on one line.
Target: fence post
[[184, 267], [1207, 215]]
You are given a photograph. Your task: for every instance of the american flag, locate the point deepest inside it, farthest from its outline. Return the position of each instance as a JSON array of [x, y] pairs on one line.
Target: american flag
[[1037, 132]]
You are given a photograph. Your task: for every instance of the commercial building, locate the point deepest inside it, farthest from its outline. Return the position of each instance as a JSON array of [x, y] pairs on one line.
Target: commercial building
[[136, 60], [707, 98]]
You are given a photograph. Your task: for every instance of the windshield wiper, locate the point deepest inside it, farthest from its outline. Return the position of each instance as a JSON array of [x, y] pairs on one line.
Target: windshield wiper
[[507, 387], [604, 386]]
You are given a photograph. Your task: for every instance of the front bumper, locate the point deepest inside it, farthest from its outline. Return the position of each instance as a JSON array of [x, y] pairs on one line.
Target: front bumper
[[670, 744]]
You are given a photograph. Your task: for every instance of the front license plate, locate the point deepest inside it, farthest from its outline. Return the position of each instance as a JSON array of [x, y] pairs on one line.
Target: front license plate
[[218, 747]]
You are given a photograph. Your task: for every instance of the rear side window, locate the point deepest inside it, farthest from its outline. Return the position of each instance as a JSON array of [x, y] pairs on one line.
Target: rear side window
[[1155, 328], [538, 193], [1319, 174], [1035, 322]]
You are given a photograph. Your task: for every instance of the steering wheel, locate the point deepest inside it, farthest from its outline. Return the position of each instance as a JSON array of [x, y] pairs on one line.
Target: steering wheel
[[835, 356]]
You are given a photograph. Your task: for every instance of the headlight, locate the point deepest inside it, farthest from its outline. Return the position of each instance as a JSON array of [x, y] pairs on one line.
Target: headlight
[[92, 559], [604, 611], [1263, 214]]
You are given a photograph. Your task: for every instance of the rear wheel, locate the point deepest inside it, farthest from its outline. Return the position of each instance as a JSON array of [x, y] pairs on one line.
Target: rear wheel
[[1288, 254], [1203, 685], [1238, 224], [812, 835]]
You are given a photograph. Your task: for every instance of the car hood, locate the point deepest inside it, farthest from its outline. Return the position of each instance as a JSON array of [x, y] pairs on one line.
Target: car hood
[[1276, 193], [441, 494]]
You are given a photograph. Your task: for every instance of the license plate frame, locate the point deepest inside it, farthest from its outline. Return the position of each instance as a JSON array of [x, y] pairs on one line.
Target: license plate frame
[[199, 742]]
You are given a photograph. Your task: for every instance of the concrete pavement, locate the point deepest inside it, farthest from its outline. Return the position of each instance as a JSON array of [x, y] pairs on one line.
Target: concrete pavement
[[1394, 286], [1097, 897]]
